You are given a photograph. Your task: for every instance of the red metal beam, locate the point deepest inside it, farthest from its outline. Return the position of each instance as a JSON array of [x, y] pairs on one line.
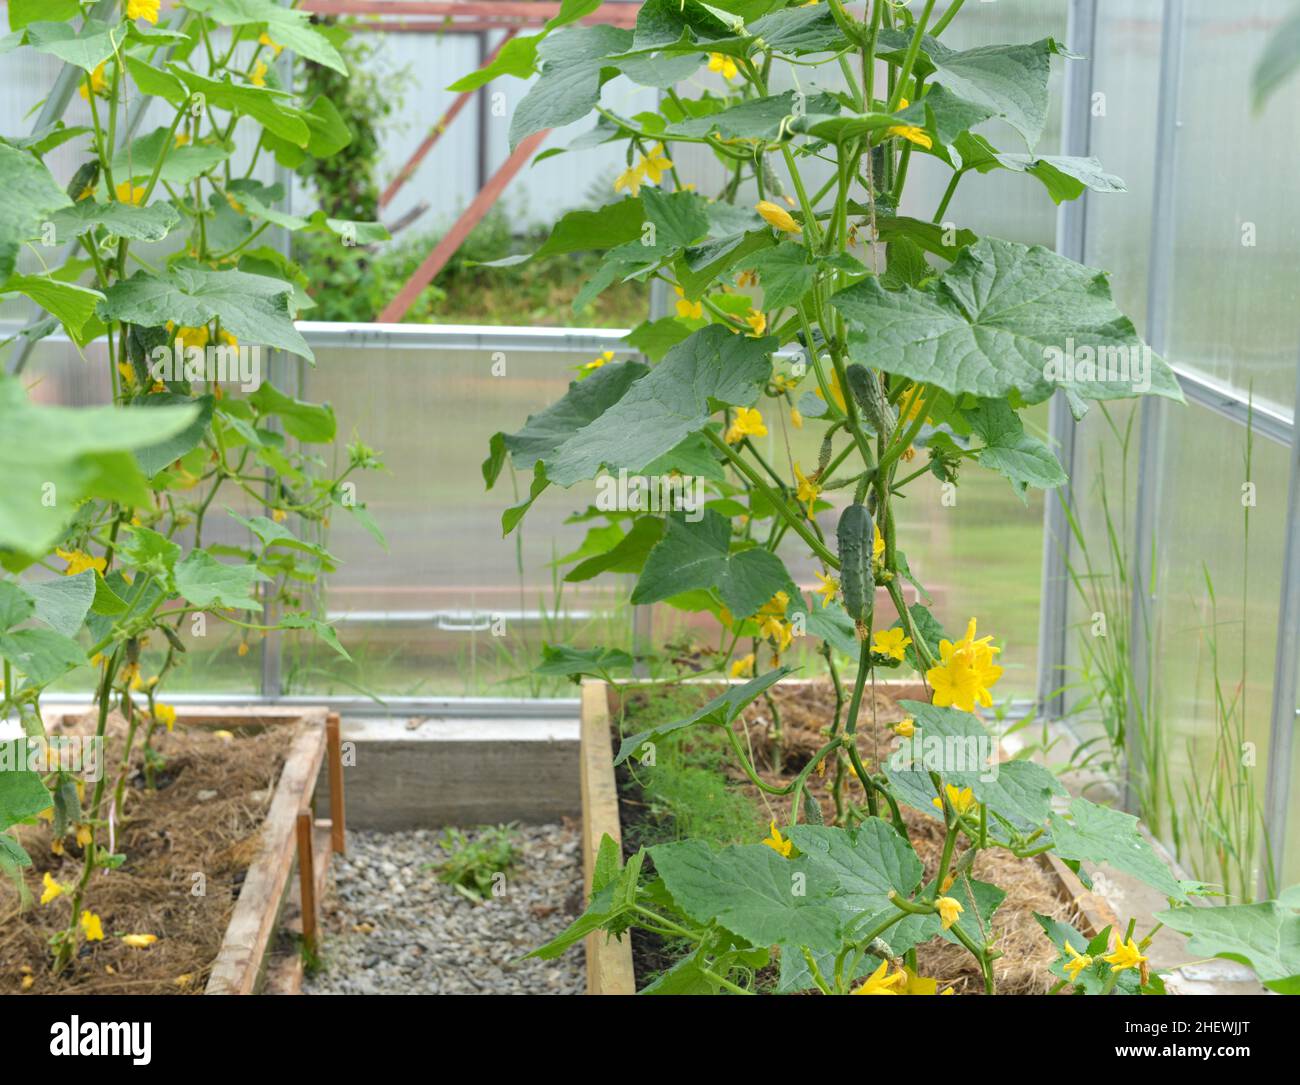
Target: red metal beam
[[435, 133], [452, 240]]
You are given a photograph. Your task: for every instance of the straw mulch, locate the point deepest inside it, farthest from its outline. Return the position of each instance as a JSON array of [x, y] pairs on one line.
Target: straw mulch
[[203, 819]]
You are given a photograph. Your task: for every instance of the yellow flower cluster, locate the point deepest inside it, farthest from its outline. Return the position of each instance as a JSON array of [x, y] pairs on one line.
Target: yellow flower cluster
[[652, 167], [965, 672]]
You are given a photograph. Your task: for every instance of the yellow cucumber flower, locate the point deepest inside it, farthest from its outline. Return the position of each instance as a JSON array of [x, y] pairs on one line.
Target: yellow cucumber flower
[[757, 323], [165, 714], [143, 9], [53, 890], [775, 215], [880, 984], [796, 419], [92, 927], [905, 727], [962, 800], [655, 164], [1124, 955], [965, 672], [265, 39], [808, 490], [829, 586], [258, 75], [910, 131], [890, 642], [777, 842], [747, 423], [743, 667], [98, 85], [720, 62], [596, 363], [630, 179], [1076, 964], [79, 561], [949, 910], [687, 309]]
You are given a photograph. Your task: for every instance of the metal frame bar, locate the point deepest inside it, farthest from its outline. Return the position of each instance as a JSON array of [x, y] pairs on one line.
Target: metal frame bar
[[1071, 241], [1286, 714], [1147, 495]]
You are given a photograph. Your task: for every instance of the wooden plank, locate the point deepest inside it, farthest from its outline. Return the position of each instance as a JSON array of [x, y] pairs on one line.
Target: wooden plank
[[307, 880], [435, 133], [609, 962], [482, 203], [334, 753], [284, 972], [209, 715], [248, 936]]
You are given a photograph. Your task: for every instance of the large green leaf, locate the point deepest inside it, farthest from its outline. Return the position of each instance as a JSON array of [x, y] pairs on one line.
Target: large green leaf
[[1099, 834], [155, 457], [253, 307], [785, 274], [753, 892], [285, 26], [30, 195], [863, 865], [41, 654], [22, 795], [628, 555], [150, 223], [698, 555], [16, 605], [758, 118], [1001, 321], [86, 46], [1279, 62], [721, 712], [63, 603], [582, 404], [674, 400], [1064, 176], [52, 458], [268, 107], [209, 584], [1009, 450], [73, 305], [574, 64], [22, 12], [1264, 936], [314, 423]]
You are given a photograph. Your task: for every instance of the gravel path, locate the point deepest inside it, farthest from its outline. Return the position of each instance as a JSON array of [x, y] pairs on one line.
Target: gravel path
[[392, 928]]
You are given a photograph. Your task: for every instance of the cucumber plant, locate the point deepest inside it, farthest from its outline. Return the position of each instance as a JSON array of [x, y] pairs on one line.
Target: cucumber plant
[[912, 337]]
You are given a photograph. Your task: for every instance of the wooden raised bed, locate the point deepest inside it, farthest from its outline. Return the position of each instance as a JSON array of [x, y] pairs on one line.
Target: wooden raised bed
[[609, 962], [270, 899]]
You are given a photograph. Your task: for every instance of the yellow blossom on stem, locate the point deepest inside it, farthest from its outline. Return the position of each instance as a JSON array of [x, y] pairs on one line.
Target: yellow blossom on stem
[[743, 667], [962, 800], [129, 193], [829, 586], [143, 9], [687, 309], [720, 62], [79, 561], [53, 890], [265, 39], [605, 358], [747, 423], [796, 419], [878, 983], [655, 164], [242, 650], [1124, 955], [890, 642], [92, 927], [747, 279], [165, 714], [1077, 962], [84, 836], [630, 179], [258, 75], [837, 393], [949, 910], [778, 631], [877, 545], [98, 85], [965, 672], [181, 139], [905, 727], [757, 323], [919, 136], [776, 215], [808, 490], [777, 842]]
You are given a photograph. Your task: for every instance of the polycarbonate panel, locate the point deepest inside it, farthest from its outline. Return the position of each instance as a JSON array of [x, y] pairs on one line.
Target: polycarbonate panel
[[1235, 309]]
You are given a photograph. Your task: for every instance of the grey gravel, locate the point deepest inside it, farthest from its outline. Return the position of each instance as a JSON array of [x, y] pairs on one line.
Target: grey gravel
[[391, 927]]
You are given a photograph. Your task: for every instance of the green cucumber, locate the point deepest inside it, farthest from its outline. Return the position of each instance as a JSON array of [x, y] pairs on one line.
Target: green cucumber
[[866, 391], [855, 536]]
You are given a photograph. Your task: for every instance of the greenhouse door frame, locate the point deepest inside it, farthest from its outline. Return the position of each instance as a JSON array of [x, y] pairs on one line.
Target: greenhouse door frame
[[1072, 239]]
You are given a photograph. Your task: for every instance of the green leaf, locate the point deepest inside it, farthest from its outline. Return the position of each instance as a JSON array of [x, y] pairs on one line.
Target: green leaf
[[253, 307], [1264, 937], [979, 900], [152, 222], [655, 338], [1279, 62], [1065, 177], [156, 457], [86, 46], [563, 661], [751, 891], [156, 81], [31, 195], [181, 164], [41, 654], [628, 555], [285, 26], [1099, 834], [758, 118], [517, 57], [1002, 321], [210, 584], [16, 605], [151, 552], [573, 68], [22, 12], [1009, 450], [267, 107], [927, 628], [311, 422], [605, 228], [698, 555], [582, 404], [22, 795], [73, 305], [674, 400], [323, 630], [270, 534], [608, 865], [63, 603], [862, 866], [52, 458], [785, 274], [721, 712]]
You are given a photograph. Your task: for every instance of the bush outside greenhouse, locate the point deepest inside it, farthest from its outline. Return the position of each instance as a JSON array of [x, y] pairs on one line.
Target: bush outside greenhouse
[[752, 497]]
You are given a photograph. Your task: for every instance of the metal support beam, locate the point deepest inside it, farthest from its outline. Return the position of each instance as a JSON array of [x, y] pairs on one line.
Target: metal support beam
[[1071, 238], [452, 240], [1282, 728], [1147, 497]]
